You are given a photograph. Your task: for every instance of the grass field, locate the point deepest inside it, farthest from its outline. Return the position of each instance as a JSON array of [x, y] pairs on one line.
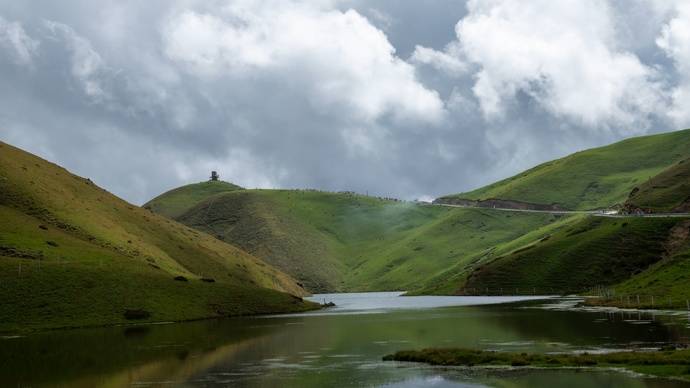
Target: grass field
[[591, 179], [72, 254]]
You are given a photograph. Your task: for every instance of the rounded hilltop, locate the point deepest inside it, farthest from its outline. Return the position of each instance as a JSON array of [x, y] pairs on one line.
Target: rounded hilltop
[[175, 202]]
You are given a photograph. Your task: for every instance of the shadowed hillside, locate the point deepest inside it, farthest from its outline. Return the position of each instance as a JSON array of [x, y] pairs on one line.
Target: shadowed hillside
[[72, 254], [584, 253]]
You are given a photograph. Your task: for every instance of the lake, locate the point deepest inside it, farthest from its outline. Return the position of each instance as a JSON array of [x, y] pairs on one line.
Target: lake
[[342, 346]]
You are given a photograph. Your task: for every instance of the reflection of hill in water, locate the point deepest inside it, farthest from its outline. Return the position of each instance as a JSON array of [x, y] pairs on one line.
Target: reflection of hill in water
[[114, 356], [309, 351], [590, 328]]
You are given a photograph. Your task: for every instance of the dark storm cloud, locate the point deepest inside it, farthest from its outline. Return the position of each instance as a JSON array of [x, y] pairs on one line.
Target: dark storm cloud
[[398, 99]]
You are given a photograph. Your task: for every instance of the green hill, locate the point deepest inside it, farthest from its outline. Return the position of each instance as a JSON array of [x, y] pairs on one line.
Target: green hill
[[578, 253], [72, 254], [669, 191], [665, 284], [583, 253], [591, 179], [349, 242], [175, 202]]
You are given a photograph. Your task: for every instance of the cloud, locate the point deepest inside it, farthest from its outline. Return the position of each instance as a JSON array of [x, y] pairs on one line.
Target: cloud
[[443, 61], [560, 54], [15, 40], [406, 99], [87, 65], [340, 58], [675, 41], [563, 55]]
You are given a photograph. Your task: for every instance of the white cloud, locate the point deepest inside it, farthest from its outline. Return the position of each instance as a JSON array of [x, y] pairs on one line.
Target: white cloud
[[563, 54], [447, 62], [675, 41], [14, 39], [282, 93], [339, 58], [87, 64]]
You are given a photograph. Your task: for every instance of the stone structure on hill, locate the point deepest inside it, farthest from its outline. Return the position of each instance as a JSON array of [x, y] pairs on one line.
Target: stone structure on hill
[[214, 176]]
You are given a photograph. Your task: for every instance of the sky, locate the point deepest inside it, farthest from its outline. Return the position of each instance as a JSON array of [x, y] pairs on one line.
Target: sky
[[406, 99]]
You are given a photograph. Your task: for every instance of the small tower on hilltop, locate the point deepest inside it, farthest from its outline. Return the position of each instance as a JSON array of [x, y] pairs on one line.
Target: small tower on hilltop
[[214, 176]]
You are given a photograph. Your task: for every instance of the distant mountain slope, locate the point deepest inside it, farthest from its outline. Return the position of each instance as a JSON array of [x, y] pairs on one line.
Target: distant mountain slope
[[72, 254], [668, 191], [349, 242], [591, 179], [175, 202]]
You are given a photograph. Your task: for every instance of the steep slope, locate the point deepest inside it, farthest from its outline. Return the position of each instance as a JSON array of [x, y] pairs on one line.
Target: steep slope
[[665, 284], [71, 254], [346, 242], [668, 191], [591, 179], [582, 253], [258, 222], [175, 202]]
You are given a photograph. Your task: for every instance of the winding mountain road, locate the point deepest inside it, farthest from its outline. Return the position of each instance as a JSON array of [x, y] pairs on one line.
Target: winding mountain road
[[596, 213]]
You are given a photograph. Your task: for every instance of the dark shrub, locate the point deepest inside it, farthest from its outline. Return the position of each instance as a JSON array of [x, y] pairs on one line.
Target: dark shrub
[[519, 362], [136, 314]]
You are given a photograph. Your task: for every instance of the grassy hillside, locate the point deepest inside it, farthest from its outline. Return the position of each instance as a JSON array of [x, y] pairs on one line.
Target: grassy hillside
[[669, 191], [664, 284], [452, 280], [175, 202], [347, 242], [343, 241], [263, 223], [591, 179], [455, 238], [582, 253], [71, 254]]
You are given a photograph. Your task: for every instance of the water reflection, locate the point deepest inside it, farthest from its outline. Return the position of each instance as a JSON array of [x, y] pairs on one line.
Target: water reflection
[[339, 349]]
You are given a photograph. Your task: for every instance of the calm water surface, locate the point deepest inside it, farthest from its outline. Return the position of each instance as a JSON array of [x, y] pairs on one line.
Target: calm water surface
[[341, 346]]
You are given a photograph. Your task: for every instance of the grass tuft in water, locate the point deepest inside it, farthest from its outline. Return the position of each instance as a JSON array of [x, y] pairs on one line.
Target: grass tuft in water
[[667, 362]]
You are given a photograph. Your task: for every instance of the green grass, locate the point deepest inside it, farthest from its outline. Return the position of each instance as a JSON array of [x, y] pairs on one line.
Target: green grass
[[669, 191], [348, 242], [455, 238], [667, 363], [662, 285], [175, 202], [72, 254], [582, 253], [453, 280], [591, 179]]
